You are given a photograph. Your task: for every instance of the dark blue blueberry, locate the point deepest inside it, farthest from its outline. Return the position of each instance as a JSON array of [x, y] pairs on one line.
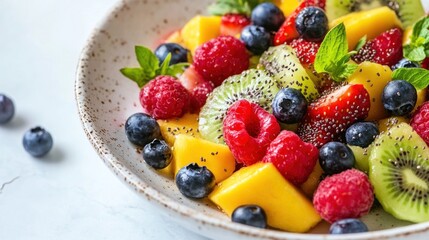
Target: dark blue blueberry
[[256, 39], [312, 23], [361, 134], [289, 105], [194, 181], [178, 53], [157, 154], [251, 215], [142, 129], [7, 109], [335, 157], [349, 225], [405, 63], [399, 97], [37, 142], [267, 15]]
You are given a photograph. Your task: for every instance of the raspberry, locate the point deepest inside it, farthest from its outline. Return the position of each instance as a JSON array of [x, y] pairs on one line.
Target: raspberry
[[348, 194], [293, 158], [164, 97], [420, 121], [200, 94], [248, 130], [220, 58]]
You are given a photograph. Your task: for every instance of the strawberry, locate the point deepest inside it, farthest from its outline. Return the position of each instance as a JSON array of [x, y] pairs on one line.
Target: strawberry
[[305, 50], [287, 31], [425, 63], [232, 24], [191, 78], [329, 116], [386, 49]]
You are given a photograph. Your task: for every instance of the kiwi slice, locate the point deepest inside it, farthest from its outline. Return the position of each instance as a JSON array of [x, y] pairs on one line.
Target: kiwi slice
[[281, 61], [399, 172], [254, 85], [409, 11]]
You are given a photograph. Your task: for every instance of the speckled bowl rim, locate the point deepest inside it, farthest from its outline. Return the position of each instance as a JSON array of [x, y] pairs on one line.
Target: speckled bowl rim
[[169, 204]]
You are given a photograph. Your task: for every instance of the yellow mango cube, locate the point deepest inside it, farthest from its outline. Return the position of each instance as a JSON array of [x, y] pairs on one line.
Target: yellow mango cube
[[175, 37], [261, 184], [187, 124], [374, 78], [199, 30], [421, 98], [287, 6], [216, 157], [370, 23], [310, 186]]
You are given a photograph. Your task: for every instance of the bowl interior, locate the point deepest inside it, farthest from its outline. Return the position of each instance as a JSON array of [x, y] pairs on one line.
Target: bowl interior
[[106, 99]]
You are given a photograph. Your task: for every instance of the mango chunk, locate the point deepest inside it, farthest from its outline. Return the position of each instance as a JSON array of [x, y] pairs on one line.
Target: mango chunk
[[216, 157], [310, 186], [187, 124], [421, 98], [386, 123], [287, 6], [373, 77], [199, 30], [175, 37], [261, 184], [370, 23]]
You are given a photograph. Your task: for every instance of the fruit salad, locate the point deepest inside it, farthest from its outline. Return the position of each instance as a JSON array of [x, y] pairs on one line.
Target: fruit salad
[[287, 113]]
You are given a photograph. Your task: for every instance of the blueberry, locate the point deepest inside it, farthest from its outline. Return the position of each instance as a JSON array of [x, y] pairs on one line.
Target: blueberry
[[267, 15], [7, 109], [256, 39], [335, 157], [405, 63], [178, 53], [289, 105], [157, 154], [312, 23], [194, 181], [399, 97], [37, 142], [142, 129], [349, 225], [361, 134], [251, 215]]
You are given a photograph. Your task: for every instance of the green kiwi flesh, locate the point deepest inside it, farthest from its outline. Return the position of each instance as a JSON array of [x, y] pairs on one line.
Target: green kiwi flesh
[[281, 61], [399, 172], [361, 157], [409, 11], [254, 85]]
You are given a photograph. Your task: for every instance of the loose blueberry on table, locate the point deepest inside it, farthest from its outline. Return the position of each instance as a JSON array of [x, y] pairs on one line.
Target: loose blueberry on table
[[291, 105], [7, 109], [37, 142]]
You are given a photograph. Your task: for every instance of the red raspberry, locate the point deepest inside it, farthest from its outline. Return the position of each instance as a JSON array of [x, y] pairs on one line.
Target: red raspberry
[[164, 97], [294, 158], [220, 58], [200, 94], [248, 130], [420, 121], [348, 194]]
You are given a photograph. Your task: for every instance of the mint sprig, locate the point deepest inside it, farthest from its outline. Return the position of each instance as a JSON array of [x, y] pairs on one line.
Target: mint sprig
[[150, 67], [418, 49], [222, 7], [418, 77], [333, 56]]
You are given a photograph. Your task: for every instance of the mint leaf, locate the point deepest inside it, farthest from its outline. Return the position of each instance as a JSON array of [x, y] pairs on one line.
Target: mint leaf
[[332, 49], [135, 74], [147, 60], [418, 49], [177, 69], [164, 66], [222, 7], [418, 77], [333, 56], [360, 44]]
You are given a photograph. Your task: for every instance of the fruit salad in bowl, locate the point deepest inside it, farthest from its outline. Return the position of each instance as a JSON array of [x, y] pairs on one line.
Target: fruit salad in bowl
[[269, 119]]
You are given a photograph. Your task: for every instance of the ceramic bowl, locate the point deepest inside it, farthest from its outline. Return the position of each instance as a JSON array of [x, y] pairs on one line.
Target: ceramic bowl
[[105, 99]]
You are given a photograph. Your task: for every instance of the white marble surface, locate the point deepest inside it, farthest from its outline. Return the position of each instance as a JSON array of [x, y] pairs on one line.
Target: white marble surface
[[69, 194]]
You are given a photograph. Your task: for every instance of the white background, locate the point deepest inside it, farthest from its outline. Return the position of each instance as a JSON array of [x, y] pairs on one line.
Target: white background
[[69, 194]]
